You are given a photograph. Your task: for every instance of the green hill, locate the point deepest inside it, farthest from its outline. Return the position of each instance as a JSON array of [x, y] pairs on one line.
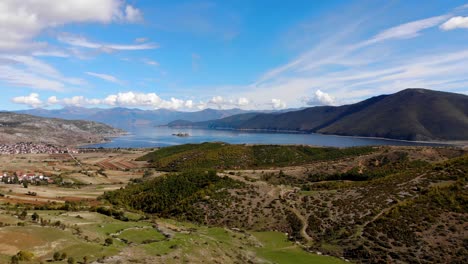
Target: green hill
[[226, 156]]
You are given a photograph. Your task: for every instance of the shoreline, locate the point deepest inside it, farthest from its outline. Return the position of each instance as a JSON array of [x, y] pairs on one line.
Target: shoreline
[[105, 139]]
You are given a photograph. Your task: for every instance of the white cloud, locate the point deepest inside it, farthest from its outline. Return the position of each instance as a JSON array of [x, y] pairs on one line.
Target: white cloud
[[223, 103], [216, 100], [455, 22], [242, 101], [134, 99], [133, 14], [23, 20], [319, 98], [52, 100], [79, 41], [277, 104], [80, 101], [31, 100], [51, 53], [465, 6], [106, 77], [141, 40], [151, 62]]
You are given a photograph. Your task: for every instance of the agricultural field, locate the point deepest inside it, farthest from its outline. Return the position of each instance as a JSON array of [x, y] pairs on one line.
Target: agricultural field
[[79, 176]]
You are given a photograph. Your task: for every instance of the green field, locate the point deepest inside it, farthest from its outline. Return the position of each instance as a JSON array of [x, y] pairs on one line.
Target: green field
[[278, 249]]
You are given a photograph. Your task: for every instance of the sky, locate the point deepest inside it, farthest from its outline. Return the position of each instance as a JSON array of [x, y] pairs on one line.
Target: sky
[[192, 55]]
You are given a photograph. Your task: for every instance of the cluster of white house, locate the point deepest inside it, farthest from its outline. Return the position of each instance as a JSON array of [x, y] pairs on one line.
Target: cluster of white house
[[24, 177]]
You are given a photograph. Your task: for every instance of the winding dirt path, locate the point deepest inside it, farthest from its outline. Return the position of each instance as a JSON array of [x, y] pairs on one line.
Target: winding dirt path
[[305, 224]]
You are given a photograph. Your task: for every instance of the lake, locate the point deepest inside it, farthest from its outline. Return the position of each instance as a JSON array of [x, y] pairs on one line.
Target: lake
[[162, 137]]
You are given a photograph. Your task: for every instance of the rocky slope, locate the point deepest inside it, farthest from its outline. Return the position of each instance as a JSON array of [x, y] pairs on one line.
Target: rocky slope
[[26, 128]]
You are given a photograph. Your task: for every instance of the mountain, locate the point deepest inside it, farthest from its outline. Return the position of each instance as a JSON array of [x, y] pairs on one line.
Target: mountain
[[411, 114], [27, 128], [126, 118]]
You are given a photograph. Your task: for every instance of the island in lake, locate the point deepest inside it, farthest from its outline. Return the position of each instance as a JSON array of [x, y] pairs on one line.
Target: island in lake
[[181, 134]]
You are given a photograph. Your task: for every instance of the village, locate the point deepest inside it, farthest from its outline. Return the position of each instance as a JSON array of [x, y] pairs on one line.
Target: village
[[19, 177], [33, 148]]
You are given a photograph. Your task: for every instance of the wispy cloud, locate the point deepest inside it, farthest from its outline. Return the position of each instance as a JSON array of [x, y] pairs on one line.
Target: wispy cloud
[[335, 71], [106, 77], [408, 30], [150, 62], [30, 72], [79, 41]]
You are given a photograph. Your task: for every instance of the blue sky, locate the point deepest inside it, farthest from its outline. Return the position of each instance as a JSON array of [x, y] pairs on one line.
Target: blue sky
[[190, 55]]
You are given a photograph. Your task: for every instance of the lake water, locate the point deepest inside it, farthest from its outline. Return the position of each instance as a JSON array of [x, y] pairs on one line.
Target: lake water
[[162, 137]]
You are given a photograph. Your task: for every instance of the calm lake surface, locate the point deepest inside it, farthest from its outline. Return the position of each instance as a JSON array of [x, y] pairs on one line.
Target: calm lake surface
[[162, 137]]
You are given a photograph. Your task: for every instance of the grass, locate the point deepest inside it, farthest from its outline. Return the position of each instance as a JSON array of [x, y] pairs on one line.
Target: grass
[[139, 236], [278, 249], [43, 241]]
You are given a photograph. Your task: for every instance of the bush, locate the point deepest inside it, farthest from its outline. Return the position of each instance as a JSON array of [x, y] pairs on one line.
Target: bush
[[109, 241], [25, 255], [56, 256]]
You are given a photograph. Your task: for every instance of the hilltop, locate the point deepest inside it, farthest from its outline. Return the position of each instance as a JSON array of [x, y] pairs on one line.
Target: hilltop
[[411, 114], [26, 128]]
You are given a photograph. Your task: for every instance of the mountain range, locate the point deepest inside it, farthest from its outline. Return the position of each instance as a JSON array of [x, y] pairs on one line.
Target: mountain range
[[411, 114], [129, 118]]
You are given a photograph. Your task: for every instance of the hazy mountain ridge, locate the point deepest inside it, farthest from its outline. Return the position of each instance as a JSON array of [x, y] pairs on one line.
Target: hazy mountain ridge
[[27, 128], [411, 114], [128, 118]]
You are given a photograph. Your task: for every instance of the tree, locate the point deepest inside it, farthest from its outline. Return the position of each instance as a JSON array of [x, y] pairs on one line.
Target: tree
[[71, 260], [85, 260], [35, 217], [56, 256], [147, 173], [23, 215], [63, 256], [14, 260]]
